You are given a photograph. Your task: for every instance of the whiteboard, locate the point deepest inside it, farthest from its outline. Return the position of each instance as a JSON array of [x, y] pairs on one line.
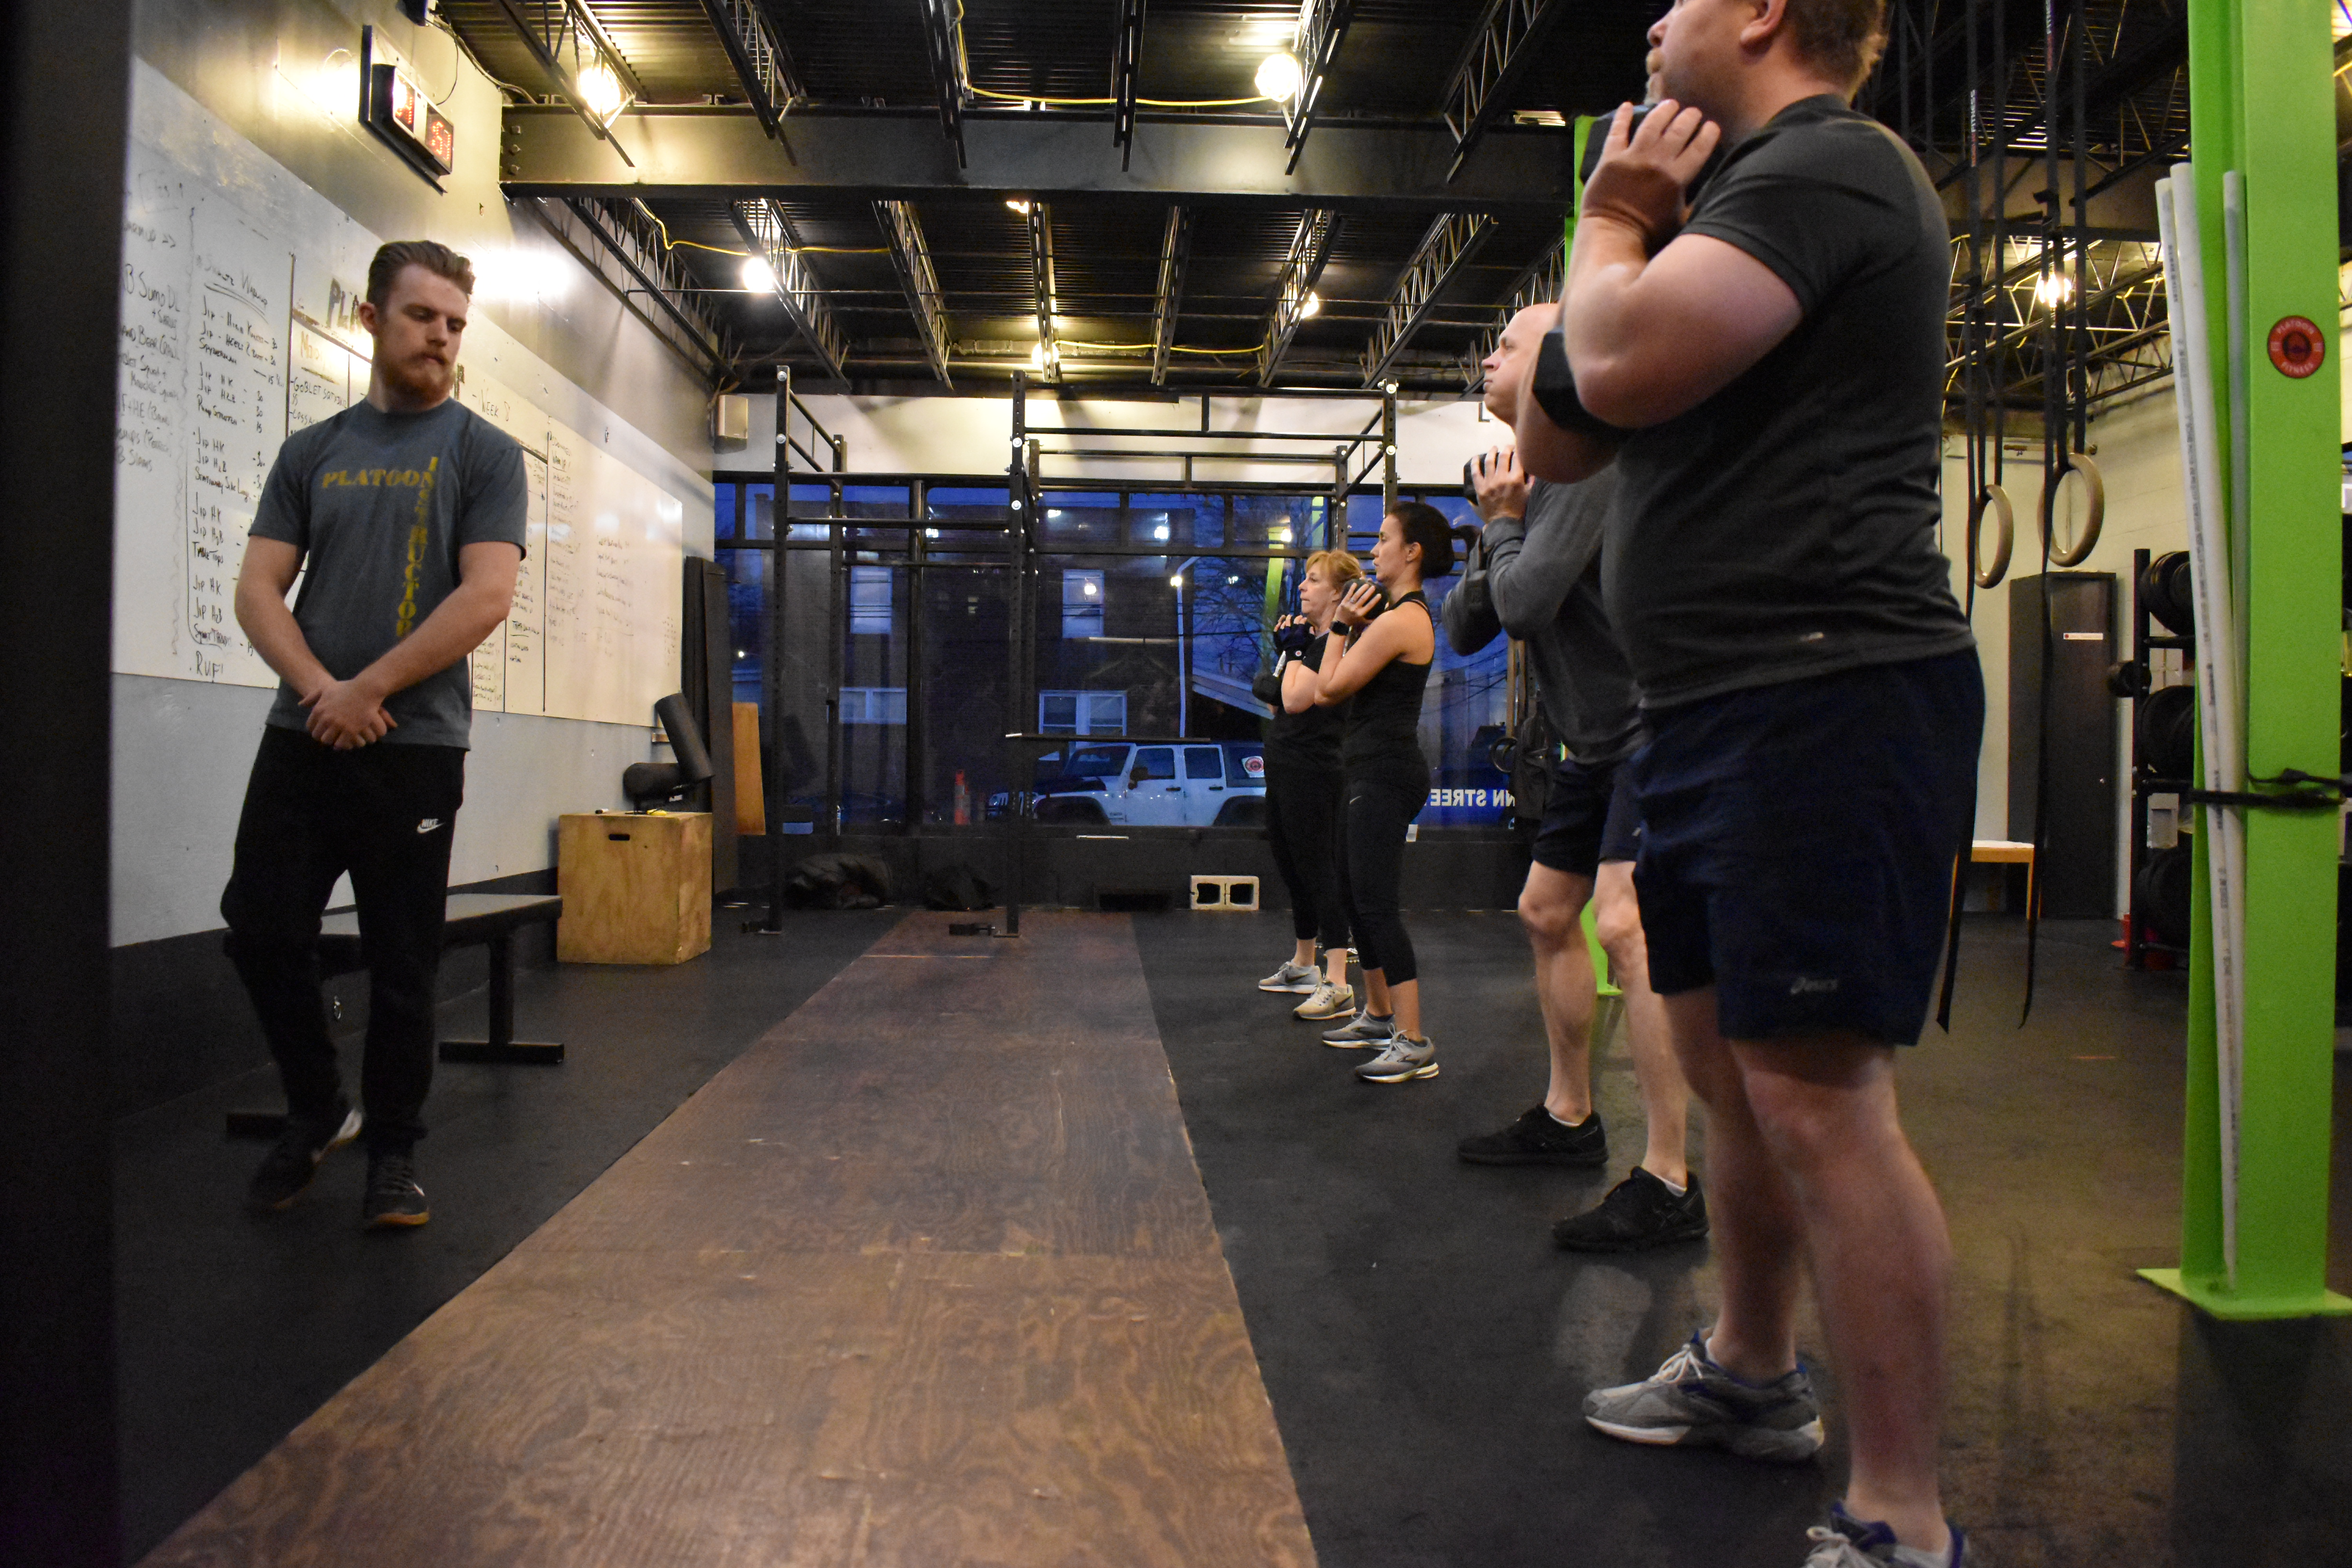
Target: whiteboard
[[234, 336]]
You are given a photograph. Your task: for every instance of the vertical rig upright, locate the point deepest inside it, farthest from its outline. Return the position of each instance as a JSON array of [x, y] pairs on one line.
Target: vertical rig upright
[[2262, 106]]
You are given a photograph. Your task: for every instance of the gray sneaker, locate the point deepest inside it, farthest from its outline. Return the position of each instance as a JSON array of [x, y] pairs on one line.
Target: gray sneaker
[[1330, 1001], [1406, 1059], [1299, 979], [1848, 1542], [1362, 1031], [1690, 1400]]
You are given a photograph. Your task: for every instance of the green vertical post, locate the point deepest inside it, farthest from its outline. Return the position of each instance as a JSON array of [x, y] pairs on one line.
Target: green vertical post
[[2262, 103]]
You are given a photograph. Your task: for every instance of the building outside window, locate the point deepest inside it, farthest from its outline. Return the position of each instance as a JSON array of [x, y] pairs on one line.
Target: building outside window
[[1082, 713], [869, 601]]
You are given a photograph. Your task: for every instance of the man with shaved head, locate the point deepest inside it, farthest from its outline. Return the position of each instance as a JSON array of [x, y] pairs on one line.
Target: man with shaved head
[[1541, 583]]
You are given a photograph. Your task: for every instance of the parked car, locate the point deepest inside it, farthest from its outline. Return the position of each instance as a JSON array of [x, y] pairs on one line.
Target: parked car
[[1205, 783]]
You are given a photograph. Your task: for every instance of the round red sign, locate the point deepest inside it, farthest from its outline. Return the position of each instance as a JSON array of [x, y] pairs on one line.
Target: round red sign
[[2298, 346]]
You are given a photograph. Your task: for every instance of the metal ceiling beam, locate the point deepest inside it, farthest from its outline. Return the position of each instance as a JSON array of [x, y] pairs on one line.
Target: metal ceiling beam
[[759, 57], [623, 257], [1041, 279], [1175, 255], [724, 154], [943, 42], [913, 256], [1322, 28], [1310, 247], [564, 38], [1452, 240], [763, 225], [1506, 39], [1126, 69]]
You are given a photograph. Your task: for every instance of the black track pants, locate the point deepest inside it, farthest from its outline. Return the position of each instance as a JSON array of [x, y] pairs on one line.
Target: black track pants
[[1383, 800], [384, 814], [1303, 830]]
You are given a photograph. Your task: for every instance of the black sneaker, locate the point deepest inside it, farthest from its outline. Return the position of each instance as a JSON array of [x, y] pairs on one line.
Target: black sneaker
[[394, 1199], [1538, 1139], [1640, 1212], [294, 1159]]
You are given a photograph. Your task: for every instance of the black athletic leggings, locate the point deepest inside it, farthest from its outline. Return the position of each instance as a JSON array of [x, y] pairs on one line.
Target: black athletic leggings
[[383, 813], [1303, 830], [1383, 800]]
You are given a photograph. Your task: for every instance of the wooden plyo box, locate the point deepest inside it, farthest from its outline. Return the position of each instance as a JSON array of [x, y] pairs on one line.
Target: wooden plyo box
[[635, 887]]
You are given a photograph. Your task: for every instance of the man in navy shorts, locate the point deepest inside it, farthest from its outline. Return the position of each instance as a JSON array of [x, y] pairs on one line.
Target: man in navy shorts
[[1763, 355], [1539, 578]]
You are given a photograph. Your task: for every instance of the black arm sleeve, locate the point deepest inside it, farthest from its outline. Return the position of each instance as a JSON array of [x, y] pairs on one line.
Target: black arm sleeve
[[1555, 390]]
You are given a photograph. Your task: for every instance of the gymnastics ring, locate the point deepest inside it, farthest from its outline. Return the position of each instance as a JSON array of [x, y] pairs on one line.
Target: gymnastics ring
[[1991, 576], [2094, 514]]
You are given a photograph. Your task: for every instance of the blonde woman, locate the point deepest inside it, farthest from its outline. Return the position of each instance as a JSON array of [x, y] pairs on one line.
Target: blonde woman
[[1303, 785]]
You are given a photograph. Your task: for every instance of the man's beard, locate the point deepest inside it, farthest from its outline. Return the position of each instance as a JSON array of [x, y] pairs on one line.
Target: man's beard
[[419, 378]]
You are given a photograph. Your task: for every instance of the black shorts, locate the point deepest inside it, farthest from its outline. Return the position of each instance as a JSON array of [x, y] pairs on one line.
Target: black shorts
[[1591, 817], [1797, 845]]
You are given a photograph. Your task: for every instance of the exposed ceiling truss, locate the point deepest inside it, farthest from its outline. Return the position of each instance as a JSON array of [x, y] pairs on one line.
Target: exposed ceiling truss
[[760, 64], [943, 42], [1294, 292], [912, 256], [1041, 279], [1509, 36], [1451, 241], [770, 233], [1322, 28], [567, 41], [1167, 302], [1125, 75], [618, 245]]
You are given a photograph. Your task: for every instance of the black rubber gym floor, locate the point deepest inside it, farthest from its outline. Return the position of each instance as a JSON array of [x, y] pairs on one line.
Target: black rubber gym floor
[[1423, 1345], [1426, 1349]]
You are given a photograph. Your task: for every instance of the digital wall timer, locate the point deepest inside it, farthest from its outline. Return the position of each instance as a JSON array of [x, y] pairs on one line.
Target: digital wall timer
[[395, 108]]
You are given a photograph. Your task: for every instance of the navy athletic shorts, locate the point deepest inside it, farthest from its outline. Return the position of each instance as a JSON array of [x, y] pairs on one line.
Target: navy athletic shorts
[[1590, 817], [1798, 844]]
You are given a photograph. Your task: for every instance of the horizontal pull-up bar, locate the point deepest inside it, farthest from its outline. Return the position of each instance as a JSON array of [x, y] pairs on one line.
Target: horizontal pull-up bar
[[1331, 437]]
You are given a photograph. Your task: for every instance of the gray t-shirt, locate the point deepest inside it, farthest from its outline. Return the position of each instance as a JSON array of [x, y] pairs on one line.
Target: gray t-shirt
[[380, 504], [1540, 581], [1786, 527]]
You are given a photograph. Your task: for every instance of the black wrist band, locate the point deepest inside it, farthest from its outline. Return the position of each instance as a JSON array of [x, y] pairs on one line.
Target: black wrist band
[[1555, 390]]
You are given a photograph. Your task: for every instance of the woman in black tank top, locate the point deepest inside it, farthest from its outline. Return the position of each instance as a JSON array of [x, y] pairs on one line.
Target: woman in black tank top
[[1381, 671]]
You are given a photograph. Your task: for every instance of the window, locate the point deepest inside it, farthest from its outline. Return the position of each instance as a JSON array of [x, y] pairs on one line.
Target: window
[[1082, 606], [1082, 713], [1204, 763], [1155, 763], [870, 602], [873, 704]]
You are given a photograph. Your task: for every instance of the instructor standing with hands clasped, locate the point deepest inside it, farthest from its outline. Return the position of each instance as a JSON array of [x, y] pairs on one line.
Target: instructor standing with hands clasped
[[407, 510], [1767, 368]]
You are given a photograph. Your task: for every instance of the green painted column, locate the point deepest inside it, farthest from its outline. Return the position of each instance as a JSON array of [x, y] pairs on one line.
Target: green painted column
[[2262, 103]]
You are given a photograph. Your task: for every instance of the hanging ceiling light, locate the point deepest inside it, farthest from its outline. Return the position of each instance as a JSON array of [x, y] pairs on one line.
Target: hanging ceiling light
[[1177, 582], [2053, 290], [758, 276], [1278, 77], [601, 92], [1017, 204], [1311, 306]]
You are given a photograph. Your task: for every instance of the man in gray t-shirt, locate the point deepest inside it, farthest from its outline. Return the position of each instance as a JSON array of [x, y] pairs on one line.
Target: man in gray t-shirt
[[403, 516], [1537, 575]]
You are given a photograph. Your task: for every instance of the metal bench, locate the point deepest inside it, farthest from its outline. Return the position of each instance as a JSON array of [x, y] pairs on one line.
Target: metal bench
[[490, 919]]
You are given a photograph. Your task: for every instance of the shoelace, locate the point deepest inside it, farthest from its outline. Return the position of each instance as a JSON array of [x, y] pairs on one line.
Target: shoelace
[[1835, 1549], [1682, 1366]]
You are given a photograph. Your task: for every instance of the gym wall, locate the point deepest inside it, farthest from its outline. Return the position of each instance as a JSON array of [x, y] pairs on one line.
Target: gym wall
[[183, 748]]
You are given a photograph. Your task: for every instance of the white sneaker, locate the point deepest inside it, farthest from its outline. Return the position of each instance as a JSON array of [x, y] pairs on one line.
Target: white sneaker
[[1330, 1001], [1296, 978]]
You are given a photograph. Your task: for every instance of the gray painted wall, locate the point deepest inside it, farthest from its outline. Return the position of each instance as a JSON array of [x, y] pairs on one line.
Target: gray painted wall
[[182, 749]]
